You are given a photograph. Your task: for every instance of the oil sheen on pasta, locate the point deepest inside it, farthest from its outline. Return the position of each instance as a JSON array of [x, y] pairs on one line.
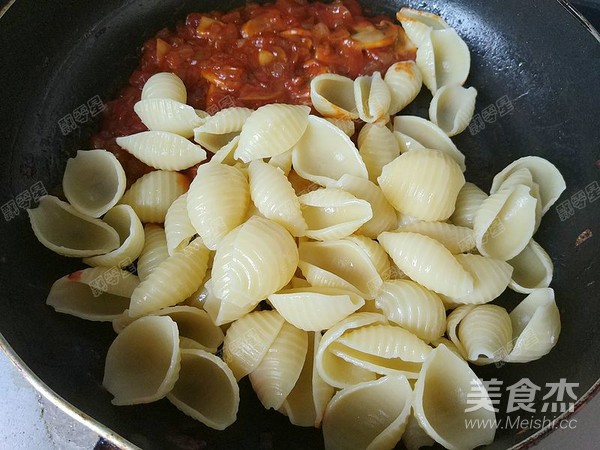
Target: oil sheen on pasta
[[254, 55]]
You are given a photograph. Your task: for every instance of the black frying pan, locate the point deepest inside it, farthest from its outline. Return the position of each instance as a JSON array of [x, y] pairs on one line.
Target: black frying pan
[[56, 55]]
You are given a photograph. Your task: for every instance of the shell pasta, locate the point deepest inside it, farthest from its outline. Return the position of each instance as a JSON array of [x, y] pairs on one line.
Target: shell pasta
[[326, 248]]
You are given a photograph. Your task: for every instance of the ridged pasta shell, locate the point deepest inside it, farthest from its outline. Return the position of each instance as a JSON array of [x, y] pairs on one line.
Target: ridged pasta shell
[[443, 59], [490, 278], [321, 144], [254, 260], [94, 181], [413, 307], [276, 375], [452, 108], [163, 114], [523, 176], [195, 325], [142, 363], [248, 340], [339, 264], [217, 201], [66, 231], [454, 238], [131, 236], [440, 402], [206, 389], [333, 214], [152, 194], [427, 262], [225, 154], [417, 23], [154, 252], [333, 96], [404, 81], [424, 184], [335, 371], [306, 403], [545, 174], [383, 349], [179, 230], [469, 199], [533, 269], [428, 135], [505, 222], [271, 130], [164, 85], [98, 294], [373, 97], [536, 326], [275, 198], [377, 146], [452, 322], [172, 281], [371, 415], [315, 308], [346, 125], [485, 333], [220, 129], [163, 150], [374, 252]]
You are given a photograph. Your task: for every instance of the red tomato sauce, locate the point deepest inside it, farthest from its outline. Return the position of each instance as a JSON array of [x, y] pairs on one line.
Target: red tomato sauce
[[254, 55]]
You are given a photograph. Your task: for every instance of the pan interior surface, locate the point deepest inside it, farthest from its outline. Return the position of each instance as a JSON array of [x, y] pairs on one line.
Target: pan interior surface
[[533, 56]]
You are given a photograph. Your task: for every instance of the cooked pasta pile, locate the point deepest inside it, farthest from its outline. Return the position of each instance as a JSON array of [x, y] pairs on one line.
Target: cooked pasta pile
[[351, 283]]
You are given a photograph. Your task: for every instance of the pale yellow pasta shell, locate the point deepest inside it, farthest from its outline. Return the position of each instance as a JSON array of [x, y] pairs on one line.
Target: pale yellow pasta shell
[[163, 150], [322, 143], [223, 312], [417, 23], [505, 222], [275, 198], [163, 114], [98, 294], [404, 81], [454, 238], [377, 146], [427, 262], [423, 183], [172, 281], [142, 363], [414, 437], [426, 134], [333, 96], [179, 230], [371, 415], [254, 260], [131, 236], [276, 375], [343, 264], [164, 85], [271, 130], [452, 108], [93, 182], [469, 199], [315, 308], [206, 389], [374, 252], [333, 214], [283, 161], [66, 231], [248, 340], [413, 307], [373, 98], [536, 326], [220, 129], [152, 194], [440, 402], [532, 269], [155, 250], [346, 125], [217, 201]]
